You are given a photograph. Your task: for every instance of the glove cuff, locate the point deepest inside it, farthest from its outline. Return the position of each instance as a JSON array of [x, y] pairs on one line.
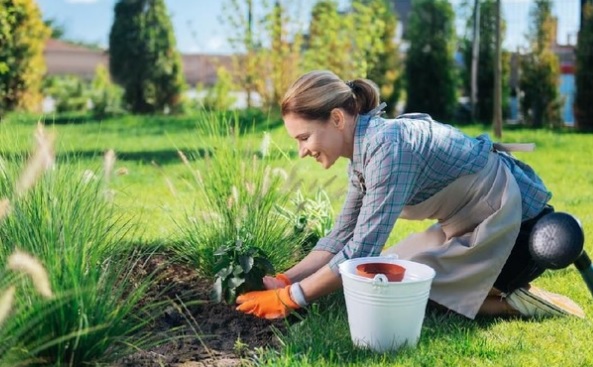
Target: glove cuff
[[283, 278], [297, 295]]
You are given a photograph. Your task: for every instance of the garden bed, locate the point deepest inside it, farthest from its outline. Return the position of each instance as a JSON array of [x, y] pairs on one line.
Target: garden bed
[[202, 334]]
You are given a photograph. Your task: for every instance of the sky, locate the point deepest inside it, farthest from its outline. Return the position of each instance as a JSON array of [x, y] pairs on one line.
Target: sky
[[199, 27]]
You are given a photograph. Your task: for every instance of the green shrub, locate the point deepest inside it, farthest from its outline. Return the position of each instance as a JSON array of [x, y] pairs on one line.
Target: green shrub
[[70, 92], [22, 38], [105, 96]]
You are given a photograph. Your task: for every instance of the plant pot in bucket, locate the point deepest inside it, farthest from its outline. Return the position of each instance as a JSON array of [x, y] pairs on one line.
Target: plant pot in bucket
[[393, 272], [385, 315]]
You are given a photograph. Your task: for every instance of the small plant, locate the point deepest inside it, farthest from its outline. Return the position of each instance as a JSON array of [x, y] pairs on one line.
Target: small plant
[[312, 218], [240, 268]]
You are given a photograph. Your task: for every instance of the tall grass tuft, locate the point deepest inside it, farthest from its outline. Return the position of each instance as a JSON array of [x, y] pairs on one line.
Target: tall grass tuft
[[236, 195], [65, 221]]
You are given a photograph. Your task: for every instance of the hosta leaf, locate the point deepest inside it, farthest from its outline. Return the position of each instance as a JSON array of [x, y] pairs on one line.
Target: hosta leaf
[[231, 295], [216, 293], [225, 272], [265, 264], [235, 282], [246, 263], [221, 250], [238, 269]]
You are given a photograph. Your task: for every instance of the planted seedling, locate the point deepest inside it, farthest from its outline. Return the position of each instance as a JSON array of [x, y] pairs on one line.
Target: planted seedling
[[240, 268]]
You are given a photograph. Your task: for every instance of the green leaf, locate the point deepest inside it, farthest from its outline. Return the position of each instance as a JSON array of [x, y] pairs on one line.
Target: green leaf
[[216, 293], [235, 282], [237, 270], [222, 250], [224, 272], [246, 263], [266, 265]]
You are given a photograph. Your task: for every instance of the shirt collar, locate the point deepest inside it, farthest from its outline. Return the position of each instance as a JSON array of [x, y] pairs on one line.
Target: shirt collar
[[362, 124]]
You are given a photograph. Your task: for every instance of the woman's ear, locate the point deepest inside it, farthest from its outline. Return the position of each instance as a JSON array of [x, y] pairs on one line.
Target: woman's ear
[[337, 118]]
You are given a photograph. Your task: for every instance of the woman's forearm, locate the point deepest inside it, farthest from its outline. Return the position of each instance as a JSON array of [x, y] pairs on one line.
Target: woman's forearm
[[321, 283], [314, 261]]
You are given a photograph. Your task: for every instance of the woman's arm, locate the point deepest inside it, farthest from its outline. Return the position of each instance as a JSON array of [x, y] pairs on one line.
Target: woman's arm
[[314, 261]]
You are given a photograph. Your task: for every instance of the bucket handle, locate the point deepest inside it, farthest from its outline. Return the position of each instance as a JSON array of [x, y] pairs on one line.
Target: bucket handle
[[380, 279]]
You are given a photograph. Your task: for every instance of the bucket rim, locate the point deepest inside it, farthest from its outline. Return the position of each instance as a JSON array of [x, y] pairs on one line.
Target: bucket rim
[[388, 259]]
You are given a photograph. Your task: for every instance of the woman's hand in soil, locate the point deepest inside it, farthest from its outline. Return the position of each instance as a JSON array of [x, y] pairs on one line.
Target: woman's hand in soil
[[269, 304], [278, 281]]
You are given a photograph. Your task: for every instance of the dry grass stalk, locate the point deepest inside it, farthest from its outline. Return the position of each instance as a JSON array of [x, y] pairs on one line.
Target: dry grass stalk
[[6, 300], [169, 183], [4, 208], [264, 148], [183, 158], [41, 160], [27, 264], [108, 164], [122, 171]]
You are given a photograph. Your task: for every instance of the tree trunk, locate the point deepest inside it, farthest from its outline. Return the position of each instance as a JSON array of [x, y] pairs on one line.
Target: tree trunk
[[497, 78]]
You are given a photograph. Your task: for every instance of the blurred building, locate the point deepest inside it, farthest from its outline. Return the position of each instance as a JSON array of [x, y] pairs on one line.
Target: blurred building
[[64, 58]]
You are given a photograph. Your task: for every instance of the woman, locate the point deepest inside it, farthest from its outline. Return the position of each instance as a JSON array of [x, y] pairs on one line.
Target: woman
[[485, 201]]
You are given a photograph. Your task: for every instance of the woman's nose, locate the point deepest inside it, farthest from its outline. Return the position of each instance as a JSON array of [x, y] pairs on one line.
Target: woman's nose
[[303, 152]]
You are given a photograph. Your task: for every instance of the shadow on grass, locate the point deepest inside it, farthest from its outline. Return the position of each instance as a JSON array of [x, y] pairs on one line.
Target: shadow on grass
[[441, 330]]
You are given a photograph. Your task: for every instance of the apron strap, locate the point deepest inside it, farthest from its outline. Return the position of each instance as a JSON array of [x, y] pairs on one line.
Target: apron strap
[[513, 147], [377, 111]]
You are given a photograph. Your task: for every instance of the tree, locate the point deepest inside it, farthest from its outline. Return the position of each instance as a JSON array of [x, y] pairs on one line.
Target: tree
[[22, 38], [387, 70], [431, 74], [143, 56], [540, 70], [337, 41], [583, 105], [279, 62], [239, 16], [327, 43], [486, 63]]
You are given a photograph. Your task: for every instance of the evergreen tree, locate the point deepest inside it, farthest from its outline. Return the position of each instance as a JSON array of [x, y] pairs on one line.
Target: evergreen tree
[[387, 71], [143, 56], [347, 43], [431, 73], [540, 70], [486, 63], [583, 105], [328, 45], [22, 38]]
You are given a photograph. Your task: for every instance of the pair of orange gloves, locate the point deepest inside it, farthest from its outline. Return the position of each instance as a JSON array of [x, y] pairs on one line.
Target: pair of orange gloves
[[271, 303]]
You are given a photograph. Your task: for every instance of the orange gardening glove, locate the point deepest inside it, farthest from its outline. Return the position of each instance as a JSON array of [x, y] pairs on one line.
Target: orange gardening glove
[[278, 281], [269, 304]]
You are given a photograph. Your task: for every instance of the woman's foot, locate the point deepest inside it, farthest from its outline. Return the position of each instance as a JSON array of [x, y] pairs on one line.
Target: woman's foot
[[535, 302]]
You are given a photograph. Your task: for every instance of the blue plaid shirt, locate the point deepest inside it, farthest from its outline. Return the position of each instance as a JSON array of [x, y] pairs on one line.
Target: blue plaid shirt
[[404, 162]]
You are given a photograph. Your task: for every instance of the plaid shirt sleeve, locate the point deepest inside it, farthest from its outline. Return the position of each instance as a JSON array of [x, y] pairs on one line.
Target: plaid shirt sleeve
[[389, 181], [343, 229]]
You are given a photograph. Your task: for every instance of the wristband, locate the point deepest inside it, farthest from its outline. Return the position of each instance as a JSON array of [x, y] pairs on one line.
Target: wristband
[[297, 295]]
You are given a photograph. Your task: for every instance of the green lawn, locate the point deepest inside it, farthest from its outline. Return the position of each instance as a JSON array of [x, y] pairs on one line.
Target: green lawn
[[157, 189]]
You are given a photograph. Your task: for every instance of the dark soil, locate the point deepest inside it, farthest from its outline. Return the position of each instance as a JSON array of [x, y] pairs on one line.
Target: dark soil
[[210, 334]]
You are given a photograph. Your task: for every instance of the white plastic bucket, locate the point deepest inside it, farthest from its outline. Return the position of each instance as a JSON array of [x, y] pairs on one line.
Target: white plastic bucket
[[385, 316]]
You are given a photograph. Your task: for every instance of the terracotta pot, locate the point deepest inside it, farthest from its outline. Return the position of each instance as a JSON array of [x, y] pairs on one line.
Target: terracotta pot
[[393, 272]]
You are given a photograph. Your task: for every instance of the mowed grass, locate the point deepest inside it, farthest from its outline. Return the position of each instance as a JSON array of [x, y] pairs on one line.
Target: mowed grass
[[156, 187]]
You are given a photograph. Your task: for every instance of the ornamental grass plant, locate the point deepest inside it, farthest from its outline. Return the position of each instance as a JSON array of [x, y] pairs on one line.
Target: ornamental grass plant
[[65, 218], [237, 193]]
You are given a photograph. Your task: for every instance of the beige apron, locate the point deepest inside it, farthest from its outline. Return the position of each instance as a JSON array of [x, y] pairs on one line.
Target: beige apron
[[479, 217]]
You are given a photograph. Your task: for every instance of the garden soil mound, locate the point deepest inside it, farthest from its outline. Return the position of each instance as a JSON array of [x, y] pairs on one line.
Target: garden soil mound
[[210, 334]]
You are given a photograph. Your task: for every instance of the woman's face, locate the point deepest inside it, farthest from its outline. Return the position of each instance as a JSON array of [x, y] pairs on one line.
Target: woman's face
[[322, 140]]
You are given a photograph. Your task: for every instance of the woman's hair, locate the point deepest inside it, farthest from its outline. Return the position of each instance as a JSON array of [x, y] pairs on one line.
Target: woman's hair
[[315, 94]]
